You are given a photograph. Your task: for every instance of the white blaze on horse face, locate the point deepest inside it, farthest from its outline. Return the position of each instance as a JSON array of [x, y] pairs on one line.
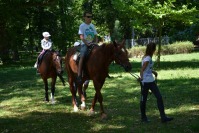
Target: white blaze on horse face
[[123, 50]]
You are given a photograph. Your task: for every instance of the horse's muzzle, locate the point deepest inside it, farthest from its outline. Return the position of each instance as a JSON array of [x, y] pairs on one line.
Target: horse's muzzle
[[60, 72], [127, 68]]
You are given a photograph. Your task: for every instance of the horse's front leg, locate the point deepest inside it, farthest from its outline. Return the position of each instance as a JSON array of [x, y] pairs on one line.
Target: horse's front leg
[[46, 89], [73, 91], [98, 96], [53, 89], [93, 104], [82, 96]]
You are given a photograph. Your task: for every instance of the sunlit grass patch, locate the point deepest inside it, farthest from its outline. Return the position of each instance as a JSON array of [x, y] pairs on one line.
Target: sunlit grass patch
[[22, 106]]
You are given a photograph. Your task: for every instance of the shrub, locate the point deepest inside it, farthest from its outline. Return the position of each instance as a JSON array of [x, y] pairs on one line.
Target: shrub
[[175, 48]]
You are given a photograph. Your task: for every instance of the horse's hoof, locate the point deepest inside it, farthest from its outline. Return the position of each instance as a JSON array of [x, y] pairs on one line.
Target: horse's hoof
[[76, 109], [91, 113], [46, 100], [53, 102], [83, 107], [103, 116]]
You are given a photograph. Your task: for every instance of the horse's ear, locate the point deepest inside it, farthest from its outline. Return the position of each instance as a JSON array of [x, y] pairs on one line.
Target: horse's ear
[[59, 51], [63, 58], [114, 43], [123, 42]]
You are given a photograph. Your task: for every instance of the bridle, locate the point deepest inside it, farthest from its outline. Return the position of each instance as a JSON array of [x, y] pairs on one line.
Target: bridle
[[58, 59], [116, 55]]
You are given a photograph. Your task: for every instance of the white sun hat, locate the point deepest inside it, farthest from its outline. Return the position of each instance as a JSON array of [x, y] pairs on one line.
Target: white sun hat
[[46, 34]]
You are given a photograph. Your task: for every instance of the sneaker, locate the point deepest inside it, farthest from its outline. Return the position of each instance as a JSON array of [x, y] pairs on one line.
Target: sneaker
[[166, 119]]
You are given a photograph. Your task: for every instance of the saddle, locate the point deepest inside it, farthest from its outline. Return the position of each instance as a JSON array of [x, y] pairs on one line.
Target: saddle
[[76, 56], [40, 58]]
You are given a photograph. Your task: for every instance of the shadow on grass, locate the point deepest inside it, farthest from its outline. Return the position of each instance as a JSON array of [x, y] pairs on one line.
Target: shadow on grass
[[121, 102], [58, 122]]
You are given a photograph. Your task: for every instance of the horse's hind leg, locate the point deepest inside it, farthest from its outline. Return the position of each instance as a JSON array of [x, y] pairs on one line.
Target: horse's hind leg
[[83, 105], [73, 92]]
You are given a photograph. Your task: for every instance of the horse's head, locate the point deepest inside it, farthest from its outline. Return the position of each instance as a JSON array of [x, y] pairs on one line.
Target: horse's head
[[57, 62], [121, 56]]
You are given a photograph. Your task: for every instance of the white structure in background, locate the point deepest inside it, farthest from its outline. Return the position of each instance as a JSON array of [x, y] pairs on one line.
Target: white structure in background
[[145, 41]]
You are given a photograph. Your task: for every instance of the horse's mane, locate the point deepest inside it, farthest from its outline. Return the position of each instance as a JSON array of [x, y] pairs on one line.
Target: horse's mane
[[108, 48]]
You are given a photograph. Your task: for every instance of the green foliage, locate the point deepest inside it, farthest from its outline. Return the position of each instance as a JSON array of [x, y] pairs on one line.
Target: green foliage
[[177, 48], [23, 21], [174, 48]]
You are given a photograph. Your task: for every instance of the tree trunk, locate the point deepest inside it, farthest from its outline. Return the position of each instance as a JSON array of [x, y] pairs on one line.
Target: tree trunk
[[4, 50], [159, 41]]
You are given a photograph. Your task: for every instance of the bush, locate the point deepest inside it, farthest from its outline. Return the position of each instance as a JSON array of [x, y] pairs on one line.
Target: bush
[[175, 48]]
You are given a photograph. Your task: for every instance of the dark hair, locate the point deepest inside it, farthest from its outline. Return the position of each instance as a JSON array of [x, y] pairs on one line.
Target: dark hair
[[150, 48], [86, 13]]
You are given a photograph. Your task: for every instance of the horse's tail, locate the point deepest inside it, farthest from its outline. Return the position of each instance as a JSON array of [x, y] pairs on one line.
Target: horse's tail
[[62, 79]]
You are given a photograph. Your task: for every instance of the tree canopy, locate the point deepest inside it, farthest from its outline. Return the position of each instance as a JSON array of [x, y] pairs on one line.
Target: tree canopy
[[23, 21]]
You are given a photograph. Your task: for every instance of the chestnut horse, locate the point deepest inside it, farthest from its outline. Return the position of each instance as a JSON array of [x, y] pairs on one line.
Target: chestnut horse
[[95, 68], [51, 67]]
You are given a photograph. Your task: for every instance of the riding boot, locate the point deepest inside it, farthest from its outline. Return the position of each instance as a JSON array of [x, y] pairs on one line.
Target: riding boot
[[161, 107], [80, 65], [163, 116]]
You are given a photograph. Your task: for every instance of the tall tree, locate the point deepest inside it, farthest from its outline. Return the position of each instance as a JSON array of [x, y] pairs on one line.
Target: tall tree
[[161, 11]]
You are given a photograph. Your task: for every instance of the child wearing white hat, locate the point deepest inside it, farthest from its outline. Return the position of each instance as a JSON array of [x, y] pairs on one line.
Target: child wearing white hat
[[46, 44]]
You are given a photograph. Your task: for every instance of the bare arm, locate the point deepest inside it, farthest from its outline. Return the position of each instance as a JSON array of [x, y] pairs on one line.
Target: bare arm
[[155, 73], [143, 68], [83, 40]]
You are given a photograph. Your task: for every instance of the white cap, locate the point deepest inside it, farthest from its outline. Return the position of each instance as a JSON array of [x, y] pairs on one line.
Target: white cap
[[46, 34], [76, 44]]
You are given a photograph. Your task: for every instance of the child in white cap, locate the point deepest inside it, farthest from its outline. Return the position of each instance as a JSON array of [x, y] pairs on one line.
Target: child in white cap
[[46, 44]]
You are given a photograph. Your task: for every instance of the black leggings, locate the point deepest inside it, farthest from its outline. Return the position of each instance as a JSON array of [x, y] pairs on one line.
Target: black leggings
[[144, 93]]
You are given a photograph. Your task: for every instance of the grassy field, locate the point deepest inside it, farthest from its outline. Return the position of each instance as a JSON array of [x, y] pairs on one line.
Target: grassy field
[[22, 109]]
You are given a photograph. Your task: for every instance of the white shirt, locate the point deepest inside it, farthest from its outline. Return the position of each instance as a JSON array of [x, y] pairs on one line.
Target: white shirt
[[147, 74], [88, 30], [46, 44]]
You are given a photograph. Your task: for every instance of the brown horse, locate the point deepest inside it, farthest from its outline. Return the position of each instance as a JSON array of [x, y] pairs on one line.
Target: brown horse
[[96, 69], [51, 67]]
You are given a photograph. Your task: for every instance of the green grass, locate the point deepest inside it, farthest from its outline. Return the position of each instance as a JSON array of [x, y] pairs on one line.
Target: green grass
[[22, 109]]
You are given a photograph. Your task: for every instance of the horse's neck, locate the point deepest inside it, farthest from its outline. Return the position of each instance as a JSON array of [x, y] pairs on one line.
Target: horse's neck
[[47, 58], [109, 53]]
